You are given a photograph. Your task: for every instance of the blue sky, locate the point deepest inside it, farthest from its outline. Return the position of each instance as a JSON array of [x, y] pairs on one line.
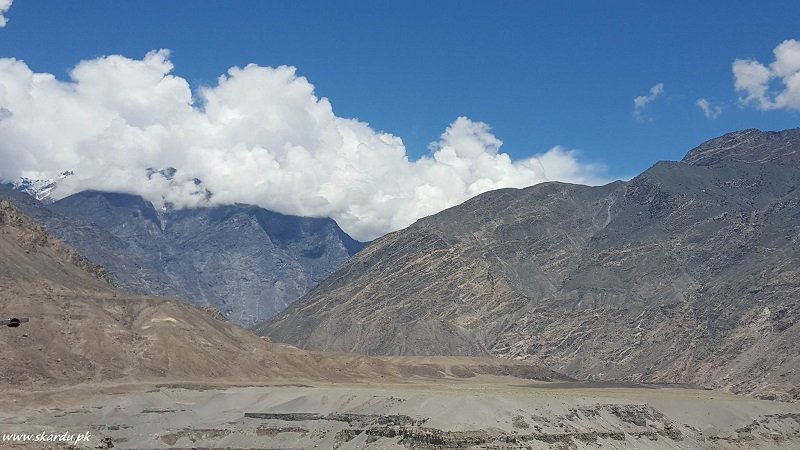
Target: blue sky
[[540, 74]]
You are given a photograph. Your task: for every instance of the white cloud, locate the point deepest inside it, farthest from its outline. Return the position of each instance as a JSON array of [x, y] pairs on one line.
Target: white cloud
[[710, 111], [640, 102], [260, 135], [4, 6], [757, 81]]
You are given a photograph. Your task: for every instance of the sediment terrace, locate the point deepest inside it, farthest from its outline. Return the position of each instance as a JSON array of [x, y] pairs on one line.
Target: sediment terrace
[[485, 412]]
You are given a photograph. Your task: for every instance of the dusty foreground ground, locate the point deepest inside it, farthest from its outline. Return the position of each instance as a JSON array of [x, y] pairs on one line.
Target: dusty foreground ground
[[483, 412]]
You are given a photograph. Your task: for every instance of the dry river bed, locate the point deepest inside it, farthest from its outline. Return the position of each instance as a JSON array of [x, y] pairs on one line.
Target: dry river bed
[[485, 413]]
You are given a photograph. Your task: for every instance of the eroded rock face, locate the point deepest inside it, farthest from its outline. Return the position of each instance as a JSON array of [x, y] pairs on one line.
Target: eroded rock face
[[688, 273], [748, 146], [81, 329], [247, 262]]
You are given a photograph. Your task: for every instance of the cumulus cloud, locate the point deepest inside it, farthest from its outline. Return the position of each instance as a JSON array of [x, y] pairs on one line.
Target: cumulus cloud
[[776, 86], [710, 111], [640, 102], [4, 6], [260, 135]]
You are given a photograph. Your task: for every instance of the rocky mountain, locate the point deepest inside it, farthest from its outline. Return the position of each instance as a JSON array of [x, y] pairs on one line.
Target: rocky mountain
[[688, 273], [98, 244], [82, 329], [246, 261]]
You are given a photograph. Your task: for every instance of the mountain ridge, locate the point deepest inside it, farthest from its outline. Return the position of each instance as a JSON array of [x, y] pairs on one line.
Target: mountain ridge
[[742, 146], [683, 274], [82, 330], [241, 259]]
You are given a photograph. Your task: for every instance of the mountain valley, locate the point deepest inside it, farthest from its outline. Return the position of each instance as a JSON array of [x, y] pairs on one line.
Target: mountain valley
[[658, 294]]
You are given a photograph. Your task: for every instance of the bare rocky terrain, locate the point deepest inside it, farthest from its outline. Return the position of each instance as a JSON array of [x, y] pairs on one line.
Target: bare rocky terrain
[[245, 261], [82, 329], [688, 273]]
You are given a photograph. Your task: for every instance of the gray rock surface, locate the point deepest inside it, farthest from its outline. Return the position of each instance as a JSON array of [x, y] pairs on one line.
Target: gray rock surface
[[688, 273], [243, 260]]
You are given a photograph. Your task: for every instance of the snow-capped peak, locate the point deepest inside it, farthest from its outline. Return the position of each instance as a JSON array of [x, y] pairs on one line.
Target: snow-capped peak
[[41, 189]]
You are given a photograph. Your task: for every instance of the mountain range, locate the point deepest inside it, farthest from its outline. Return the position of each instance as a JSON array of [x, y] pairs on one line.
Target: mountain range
[[688, 273], [245, 261], [82, 329]]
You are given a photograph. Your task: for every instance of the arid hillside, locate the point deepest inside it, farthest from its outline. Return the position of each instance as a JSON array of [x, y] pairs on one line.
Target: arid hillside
[[84, 330], [688, 273]]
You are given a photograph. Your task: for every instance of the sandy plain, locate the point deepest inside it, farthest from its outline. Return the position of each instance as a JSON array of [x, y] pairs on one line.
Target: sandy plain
[[487, 412]]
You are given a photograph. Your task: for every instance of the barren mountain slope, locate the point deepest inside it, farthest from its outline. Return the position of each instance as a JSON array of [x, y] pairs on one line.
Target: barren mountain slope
[[98, 245], [689, 273], [246, 261], [82, 329]]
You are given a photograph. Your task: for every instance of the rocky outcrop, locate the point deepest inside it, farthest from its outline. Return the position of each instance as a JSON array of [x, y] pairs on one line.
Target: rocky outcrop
[[688, 273]]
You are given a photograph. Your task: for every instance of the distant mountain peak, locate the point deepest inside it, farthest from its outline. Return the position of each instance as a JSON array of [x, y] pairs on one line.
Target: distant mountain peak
[[751, 146], [168, 173], [40, 189]]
